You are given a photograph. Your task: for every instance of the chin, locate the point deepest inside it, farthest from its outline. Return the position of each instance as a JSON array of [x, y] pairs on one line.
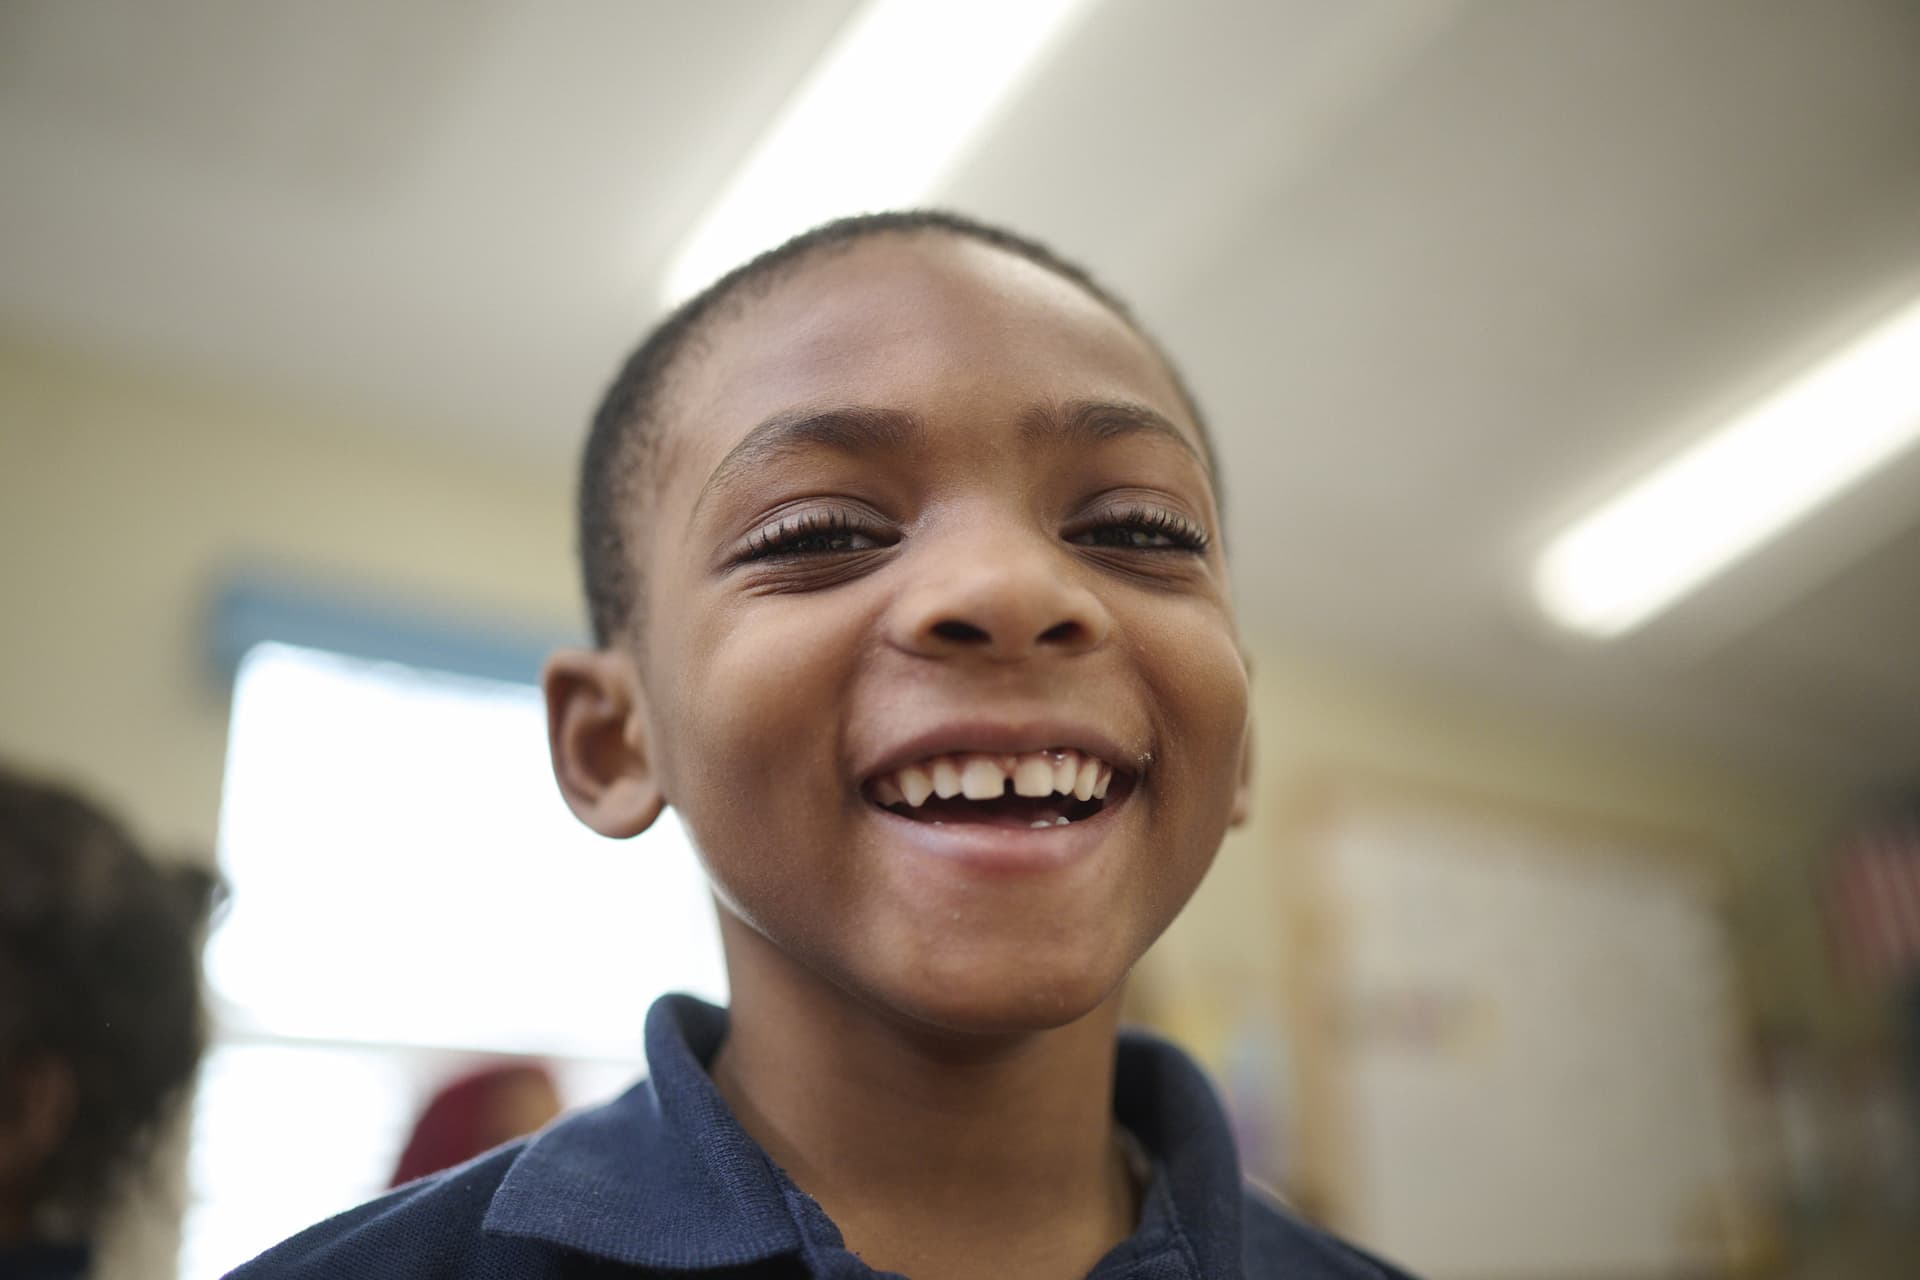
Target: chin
[[992, 1000]]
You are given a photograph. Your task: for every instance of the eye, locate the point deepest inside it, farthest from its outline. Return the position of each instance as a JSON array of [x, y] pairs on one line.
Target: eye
[[810, 533], [1143, 529]]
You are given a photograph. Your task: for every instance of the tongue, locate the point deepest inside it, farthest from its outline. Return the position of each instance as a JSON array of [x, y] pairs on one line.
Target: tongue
[[1004, 811]]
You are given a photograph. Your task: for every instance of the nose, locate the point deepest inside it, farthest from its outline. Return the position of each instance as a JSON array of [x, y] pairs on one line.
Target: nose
[[1001, 598]]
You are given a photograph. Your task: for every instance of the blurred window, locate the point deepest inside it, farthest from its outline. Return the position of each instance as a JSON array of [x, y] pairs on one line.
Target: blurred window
[[410, 894]]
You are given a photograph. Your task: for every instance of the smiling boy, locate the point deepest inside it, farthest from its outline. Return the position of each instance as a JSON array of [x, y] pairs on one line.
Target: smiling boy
[[903, 551]]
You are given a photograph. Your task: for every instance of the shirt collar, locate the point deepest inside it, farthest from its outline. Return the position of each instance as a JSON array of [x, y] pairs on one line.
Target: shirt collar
[[664, 1176], [661, 1177], [1166, 1102]]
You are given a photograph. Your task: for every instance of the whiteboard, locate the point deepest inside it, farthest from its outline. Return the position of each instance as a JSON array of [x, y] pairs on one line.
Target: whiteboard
[[1534, 1039]]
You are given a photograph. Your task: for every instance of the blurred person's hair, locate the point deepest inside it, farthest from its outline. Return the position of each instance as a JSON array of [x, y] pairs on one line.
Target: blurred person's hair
[[628, 422], [100, 966]]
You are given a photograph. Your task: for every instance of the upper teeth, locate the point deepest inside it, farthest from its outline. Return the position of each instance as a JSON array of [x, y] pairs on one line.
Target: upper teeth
[[979, 776]]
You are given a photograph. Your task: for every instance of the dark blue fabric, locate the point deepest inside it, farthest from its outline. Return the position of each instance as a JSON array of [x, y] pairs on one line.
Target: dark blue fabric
[[43, 1261], [664, 1181]]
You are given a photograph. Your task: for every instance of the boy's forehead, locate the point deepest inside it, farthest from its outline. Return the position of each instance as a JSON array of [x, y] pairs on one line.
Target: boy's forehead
[[919, 322]]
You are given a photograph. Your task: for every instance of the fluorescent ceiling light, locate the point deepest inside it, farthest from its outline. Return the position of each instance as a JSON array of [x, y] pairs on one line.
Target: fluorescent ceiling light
[[876, 124], [1725, 496]]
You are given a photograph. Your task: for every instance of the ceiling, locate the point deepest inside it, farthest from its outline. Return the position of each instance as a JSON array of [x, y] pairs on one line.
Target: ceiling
[[1443, 273]]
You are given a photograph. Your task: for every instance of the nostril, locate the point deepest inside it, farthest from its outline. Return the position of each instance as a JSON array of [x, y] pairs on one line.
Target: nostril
[[960, 632], [1061, 633]]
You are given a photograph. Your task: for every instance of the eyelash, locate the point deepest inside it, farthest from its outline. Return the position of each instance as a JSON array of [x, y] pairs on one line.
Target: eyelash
[[1183, 534], [790, 536], [786, 537]]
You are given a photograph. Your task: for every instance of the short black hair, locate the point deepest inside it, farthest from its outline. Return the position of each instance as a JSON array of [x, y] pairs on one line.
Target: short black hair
[[626, 427], [100, 962]]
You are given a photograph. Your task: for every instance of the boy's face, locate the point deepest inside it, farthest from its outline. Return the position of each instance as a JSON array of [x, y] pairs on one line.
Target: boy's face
[[925, 499]]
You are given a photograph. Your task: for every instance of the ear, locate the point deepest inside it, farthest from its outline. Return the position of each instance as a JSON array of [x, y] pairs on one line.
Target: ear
[[600, 735], [1243, 788]]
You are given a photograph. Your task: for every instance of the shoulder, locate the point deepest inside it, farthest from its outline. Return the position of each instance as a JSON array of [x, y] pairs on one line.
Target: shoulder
[[430, 1228], [1275, 1244]]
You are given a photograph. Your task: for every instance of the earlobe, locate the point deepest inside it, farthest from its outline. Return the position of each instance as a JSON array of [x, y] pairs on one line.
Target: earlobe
[[601, 739], [1243, 786]]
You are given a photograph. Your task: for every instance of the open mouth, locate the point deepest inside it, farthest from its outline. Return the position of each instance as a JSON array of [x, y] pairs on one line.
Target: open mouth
[[1056, 787]]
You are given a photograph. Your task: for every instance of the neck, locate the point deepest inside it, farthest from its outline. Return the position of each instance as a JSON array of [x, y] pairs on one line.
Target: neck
[[937, 1156]]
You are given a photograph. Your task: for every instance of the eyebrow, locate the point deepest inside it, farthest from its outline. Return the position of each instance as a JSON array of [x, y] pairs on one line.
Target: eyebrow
[[857, 429], [1087, 422], [850, 429]]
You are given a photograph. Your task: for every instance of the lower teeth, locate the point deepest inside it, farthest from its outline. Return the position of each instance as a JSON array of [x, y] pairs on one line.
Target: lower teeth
[[1005, 811]]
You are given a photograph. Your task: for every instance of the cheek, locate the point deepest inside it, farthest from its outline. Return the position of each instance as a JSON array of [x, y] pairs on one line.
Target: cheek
[[750, 689], [753, 736], [1203, 693], [1200, 686]]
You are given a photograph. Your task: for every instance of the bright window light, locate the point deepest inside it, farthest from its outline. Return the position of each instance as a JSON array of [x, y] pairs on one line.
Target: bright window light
[[411, 899], [1733, 491], [404, 871], [346, 1109], [875, 125]]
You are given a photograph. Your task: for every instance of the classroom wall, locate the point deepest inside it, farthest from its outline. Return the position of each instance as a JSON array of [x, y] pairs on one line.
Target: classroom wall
[[125, 493], [1319, 722], [125, 496]]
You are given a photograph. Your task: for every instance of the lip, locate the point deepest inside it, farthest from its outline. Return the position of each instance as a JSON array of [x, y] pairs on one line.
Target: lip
[[1007, 736], [1007, 851]]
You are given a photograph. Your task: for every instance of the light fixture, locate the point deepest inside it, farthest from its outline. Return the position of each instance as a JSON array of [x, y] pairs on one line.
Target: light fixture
[[1723, 497], [875, 125]]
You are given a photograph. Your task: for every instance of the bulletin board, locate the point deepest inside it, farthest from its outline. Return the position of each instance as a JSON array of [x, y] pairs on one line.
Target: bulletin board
[[1526, 1036]]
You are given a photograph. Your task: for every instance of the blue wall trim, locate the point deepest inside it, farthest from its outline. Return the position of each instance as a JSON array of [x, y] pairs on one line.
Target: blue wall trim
[[252, 607]]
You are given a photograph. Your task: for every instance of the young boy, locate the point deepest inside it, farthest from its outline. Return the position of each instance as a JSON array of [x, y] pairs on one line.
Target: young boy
[[903, 554]]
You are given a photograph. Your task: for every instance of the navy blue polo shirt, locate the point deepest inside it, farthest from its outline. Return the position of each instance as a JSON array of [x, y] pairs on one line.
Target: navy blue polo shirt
[[663, 1181]]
